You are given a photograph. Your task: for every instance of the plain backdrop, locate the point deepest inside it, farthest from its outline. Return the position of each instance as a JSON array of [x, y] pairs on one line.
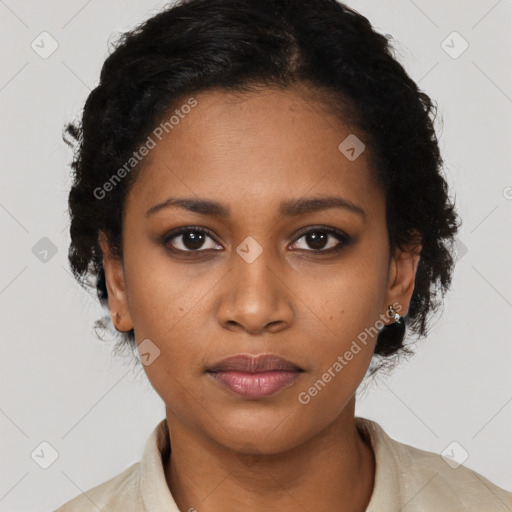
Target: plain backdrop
[[60, 385]]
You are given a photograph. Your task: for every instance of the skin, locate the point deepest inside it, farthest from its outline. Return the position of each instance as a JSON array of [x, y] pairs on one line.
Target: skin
[[250, 152]]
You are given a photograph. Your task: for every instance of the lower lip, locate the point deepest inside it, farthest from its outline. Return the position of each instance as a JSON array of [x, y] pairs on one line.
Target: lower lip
[[255, 385]]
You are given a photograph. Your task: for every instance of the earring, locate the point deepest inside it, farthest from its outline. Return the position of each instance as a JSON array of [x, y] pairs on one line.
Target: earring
[[392, 312], [391, 336]]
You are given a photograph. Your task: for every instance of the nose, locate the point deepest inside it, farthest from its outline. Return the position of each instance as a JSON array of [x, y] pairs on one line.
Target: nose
[[255, 298]]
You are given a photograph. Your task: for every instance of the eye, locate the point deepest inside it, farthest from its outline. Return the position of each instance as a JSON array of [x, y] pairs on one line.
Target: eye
[[323, 240], [194, 239], [190, 239]]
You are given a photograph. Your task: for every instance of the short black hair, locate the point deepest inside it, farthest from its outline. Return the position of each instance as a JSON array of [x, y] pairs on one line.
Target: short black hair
[[241, 46]]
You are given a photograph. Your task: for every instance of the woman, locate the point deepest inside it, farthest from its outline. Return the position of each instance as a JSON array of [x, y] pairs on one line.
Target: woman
[[258, 199]]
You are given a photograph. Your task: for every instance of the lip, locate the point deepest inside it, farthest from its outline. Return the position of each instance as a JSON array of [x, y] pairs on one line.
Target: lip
[[255, 376], [254, 364]]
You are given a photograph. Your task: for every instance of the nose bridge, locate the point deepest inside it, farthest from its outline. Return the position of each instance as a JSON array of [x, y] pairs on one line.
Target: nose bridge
[[255, 296], [254, 278], [253, 266]]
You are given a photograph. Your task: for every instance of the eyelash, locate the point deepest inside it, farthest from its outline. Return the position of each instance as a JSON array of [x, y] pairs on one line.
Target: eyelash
[[344, 239]]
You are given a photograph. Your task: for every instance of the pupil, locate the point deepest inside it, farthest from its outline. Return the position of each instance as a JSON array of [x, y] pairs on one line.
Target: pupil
[[193, 240], [316, 240]]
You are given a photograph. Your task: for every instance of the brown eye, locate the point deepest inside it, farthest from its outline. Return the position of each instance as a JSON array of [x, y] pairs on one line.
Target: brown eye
[[317, 239], [190, 240], [321, 240], [193, 240]]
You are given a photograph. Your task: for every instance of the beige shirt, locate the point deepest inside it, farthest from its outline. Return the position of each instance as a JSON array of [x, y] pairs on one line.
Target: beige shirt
[[406, 479]]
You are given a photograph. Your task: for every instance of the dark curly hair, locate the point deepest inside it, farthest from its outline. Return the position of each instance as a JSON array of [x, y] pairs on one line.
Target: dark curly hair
[[240, 46]]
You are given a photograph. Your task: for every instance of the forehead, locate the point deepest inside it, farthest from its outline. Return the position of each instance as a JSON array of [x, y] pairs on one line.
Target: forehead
[[254, 148]]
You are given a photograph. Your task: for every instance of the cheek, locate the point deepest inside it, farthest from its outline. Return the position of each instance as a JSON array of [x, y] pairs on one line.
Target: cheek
[[342, 339], [345, 333], [179, 365], [340, 301], [342, 308], [161, 296]]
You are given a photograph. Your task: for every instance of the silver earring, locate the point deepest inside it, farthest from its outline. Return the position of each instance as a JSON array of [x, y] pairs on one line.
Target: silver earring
[[392, 312]]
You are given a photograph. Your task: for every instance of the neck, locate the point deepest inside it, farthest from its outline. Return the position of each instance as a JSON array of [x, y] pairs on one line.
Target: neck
[[332, 471]]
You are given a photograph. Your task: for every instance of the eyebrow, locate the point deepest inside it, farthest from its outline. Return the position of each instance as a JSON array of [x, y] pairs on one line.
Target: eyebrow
[[290, 208]]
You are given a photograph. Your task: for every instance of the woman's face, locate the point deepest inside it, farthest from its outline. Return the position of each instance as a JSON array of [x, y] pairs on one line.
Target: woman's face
[[275, 272]]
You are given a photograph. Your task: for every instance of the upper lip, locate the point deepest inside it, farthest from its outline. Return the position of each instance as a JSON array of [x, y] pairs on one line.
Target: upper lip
[[254, 364]]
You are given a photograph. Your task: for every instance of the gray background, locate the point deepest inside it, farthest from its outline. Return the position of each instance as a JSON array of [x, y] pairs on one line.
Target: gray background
[[60, 385]]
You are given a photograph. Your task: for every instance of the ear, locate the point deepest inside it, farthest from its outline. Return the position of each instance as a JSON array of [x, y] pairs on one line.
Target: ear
[[116, 287], [402, 274]]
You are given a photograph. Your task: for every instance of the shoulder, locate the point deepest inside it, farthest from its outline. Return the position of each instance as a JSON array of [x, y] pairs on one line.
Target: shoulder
[[140, 487], [419, 480], [119, 493], [455, 483]]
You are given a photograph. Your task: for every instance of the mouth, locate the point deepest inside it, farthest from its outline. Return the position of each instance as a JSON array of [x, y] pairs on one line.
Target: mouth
[[255, 376]]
